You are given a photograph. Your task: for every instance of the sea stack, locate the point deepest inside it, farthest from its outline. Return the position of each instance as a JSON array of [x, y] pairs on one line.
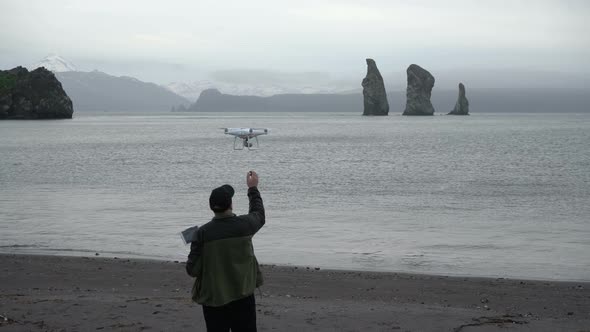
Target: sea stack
[[462, 105], [375, 98], [33, 95], [420, 83]]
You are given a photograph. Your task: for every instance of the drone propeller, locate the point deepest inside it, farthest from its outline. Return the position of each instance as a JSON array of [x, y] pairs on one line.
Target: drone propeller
[[266, 130]]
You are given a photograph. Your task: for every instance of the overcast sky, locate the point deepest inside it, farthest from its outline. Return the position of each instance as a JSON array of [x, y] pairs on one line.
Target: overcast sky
[[293, 36]]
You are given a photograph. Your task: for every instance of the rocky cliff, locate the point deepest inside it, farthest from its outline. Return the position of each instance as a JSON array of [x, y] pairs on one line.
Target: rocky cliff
[[375, 97], [462, 105], [32, 95], [420, 83]]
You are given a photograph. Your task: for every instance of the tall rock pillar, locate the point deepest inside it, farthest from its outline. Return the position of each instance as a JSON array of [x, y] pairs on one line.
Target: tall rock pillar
[[420, 83], [375, 97], [462, 105]]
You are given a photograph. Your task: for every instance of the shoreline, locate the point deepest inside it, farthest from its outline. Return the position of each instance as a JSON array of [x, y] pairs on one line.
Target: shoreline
[[76, 293], [107, 255]]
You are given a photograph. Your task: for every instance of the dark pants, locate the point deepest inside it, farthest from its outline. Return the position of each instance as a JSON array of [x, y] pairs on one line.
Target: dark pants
[[239, 316]]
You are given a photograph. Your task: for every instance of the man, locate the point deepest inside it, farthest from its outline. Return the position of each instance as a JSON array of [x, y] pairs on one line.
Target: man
[[222, 261]]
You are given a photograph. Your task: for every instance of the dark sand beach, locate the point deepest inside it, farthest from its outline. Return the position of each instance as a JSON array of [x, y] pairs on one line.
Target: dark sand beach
[[52, 293]]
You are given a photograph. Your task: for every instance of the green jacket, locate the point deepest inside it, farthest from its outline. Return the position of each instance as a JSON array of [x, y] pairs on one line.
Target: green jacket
[[222, 256]]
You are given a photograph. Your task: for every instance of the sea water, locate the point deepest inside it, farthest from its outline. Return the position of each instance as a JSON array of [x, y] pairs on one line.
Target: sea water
[[502, 195]]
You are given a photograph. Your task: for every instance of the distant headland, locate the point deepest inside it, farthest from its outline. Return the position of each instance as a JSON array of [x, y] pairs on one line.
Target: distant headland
[[33, 95]]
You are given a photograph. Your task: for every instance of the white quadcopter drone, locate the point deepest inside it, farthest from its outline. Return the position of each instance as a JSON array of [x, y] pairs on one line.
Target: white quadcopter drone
[[249, 137]]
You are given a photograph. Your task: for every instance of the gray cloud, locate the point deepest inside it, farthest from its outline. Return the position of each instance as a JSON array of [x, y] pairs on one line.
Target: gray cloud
[[332, 36]]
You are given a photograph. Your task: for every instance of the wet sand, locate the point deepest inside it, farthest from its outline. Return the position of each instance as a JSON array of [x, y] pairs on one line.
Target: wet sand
[[53, 293]]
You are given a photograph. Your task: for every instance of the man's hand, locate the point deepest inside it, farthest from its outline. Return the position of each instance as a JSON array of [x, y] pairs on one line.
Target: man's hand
[[252, 179]]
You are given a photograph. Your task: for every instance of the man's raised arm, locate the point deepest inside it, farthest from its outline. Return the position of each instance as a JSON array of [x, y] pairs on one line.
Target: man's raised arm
[[256, 211]]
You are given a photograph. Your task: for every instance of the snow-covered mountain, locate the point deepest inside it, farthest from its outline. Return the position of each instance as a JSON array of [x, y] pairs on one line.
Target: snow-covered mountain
[[55, 63], [98, 91], [192, 90]]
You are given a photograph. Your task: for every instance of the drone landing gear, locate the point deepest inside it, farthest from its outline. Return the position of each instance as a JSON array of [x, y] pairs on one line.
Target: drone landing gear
[[246, 143]]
